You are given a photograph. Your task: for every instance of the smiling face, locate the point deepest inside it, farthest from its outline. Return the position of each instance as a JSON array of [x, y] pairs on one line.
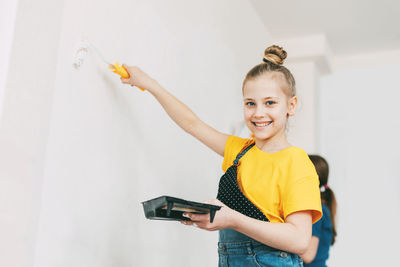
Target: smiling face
[[266, 109]]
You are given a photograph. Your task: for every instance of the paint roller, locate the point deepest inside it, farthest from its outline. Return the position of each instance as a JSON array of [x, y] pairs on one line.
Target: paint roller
[[83, 49]]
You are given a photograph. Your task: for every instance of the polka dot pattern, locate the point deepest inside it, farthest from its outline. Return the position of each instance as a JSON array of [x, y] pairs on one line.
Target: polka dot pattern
[[230, 194]]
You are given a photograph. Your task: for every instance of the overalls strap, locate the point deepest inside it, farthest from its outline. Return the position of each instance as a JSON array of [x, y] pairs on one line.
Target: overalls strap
[[241, 154]]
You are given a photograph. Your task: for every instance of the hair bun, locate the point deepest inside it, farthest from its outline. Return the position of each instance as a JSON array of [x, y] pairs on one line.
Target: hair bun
[[275, 54]]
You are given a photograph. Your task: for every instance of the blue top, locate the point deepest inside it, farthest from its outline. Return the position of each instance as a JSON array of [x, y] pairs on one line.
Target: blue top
[[323, 230]]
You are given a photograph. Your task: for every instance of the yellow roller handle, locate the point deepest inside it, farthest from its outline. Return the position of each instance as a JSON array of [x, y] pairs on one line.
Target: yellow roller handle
[[121, 71]]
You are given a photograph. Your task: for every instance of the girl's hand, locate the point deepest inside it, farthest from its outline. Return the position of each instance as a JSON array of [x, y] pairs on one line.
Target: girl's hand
[[224, 218], [138, 78]]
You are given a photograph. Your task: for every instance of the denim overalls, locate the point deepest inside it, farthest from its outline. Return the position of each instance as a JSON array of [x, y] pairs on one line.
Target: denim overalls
[[236, 249]]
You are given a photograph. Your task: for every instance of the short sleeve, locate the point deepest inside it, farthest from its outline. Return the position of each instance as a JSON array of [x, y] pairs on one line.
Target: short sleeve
[[303, 194]]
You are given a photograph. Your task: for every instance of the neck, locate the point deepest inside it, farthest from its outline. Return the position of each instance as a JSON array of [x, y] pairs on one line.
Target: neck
[[274, 144]]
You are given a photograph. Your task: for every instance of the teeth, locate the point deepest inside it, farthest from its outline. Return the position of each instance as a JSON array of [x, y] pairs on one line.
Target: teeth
[[261, 124]]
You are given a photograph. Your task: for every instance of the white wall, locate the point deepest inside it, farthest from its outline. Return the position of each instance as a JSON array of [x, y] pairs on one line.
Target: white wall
[[8, 10], [80, 151], [24, 126], [359, 132], [302, 129]]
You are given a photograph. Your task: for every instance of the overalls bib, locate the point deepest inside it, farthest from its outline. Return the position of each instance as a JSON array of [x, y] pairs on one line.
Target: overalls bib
[[236, 249]]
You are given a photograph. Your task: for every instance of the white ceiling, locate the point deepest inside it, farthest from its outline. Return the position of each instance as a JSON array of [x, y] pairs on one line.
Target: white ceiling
[[352, 26]]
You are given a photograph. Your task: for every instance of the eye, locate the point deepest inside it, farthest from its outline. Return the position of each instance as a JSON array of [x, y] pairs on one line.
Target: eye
[[250, 103], [270, 103]]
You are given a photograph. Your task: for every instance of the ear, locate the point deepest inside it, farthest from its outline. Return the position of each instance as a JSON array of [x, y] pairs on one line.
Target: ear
[[292, 106]]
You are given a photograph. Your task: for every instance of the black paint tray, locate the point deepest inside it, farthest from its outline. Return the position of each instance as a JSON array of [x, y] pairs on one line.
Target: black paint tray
[[172, 209]]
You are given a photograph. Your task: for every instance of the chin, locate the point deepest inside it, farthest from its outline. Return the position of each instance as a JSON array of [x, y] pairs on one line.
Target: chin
[[261, 136], [258, 134]]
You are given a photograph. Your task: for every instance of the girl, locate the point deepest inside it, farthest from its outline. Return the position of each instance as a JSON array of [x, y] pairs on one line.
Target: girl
[[324, 231], [269, 192]]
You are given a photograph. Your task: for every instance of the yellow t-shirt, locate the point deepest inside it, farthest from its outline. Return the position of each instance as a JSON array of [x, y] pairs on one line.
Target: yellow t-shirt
[[277, 183]]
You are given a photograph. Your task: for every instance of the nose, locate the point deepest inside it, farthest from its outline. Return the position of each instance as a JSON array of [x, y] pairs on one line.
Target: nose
[[259, 112]]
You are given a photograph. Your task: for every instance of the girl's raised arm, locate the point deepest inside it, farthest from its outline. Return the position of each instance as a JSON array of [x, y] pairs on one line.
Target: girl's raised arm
[[178, 111]]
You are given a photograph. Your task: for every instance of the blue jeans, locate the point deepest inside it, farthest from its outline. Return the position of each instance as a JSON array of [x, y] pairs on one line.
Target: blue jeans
[[238, 250]]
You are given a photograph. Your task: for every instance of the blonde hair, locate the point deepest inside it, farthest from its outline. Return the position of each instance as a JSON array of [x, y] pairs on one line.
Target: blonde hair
[[273, 59]]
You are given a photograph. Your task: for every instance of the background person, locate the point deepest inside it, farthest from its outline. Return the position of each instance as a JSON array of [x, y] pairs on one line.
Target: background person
[[323, 231]]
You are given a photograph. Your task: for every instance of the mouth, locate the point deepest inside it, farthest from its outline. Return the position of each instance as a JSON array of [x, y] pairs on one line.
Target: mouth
[[261, 124]]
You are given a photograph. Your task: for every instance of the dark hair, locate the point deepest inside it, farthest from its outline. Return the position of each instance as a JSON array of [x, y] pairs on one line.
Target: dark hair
[[273, 59], [327, 195]]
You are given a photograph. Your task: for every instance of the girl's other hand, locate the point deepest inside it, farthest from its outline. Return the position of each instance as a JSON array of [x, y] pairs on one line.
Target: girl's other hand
[[138, 78], [224, 218]]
